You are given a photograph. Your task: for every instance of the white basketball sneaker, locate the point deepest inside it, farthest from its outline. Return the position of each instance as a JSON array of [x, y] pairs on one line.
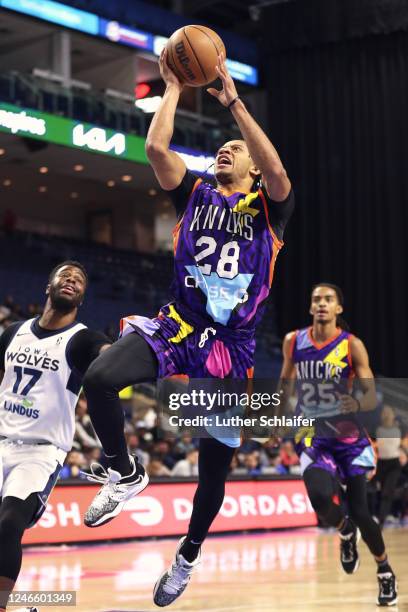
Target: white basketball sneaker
[[116, 490], [174, 580]]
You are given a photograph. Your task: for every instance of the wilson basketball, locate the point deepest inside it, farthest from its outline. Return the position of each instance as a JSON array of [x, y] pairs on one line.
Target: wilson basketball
[[193, 53]]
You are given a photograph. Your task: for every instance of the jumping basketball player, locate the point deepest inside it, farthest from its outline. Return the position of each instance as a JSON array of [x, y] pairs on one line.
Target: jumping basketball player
[[324, 358], [42, 362], [226, 242]]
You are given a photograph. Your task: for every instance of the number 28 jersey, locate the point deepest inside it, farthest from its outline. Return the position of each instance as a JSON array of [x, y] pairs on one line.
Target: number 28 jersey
[[225, 249], [323, 371], [39, 389]]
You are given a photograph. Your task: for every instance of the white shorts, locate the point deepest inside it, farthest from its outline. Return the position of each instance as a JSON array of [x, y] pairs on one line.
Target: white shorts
[[29, 468]]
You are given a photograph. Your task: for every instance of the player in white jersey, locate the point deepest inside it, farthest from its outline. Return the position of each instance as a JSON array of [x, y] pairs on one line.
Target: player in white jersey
[[42, 362]]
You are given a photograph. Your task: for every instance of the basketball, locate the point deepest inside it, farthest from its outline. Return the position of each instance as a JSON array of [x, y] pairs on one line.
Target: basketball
[[192, 53]]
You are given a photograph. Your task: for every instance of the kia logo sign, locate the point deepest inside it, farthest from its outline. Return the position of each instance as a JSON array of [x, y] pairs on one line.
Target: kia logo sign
[[97, 139]]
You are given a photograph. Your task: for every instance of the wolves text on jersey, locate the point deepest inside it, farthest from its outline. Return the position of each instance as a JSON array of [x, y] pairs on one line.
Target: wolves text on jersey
[[33, 357]]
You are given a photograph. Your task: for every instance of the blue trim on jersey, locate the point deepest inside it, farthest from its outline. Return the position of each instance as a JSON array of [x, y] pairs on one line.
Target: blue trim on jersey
[[44, 495], [74, 382], [15, 327], [75, 379]]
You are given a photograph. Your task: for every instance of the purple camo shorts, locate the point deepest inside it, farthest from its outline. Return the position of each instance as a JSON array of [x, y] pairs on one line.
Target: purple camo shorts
[[197, 351], [343, 457]]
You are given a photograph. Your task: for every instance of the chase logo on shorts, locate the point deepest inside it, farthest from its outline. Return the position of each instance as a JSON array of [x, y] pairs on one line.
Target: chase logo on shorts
[[23, 409]]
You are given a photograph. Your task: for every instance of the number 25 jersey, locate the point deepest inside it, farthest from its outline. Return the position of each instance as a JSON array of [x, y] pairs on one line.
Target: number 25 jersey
[[225, 249], [323, 371]]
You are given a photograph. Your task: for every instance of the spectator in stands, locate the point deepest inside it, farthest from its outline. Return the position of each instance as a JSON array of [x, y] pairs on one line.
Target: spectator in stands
[[275, 464], [74, 463], [401, 492], [4, 323], [289, 458], [251, 465], [14, 311], [133, 443], [95, 455], [146, 435], [183, 446], [187, 466], [269, 450], [150, 418], [156, 468], [234, 465], [85, 436], [388, 436], [404, 437], [161, 450]]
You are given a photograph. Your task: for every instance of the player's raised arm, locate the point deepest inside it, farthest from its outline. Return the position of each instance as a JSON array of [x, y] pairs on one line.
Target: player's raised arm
[[167, 165], [260, 147]]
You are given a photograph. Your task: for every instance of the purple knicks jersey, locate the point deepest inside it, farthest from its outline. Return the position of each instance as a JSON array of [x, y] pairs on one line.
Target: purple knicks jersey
[[225, 249], [336, 443], [322, 370]]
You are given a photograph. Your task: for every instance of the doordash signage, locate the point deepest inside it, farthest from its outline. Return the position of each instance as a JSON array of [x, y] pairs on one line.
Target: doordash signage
[[165, 509]]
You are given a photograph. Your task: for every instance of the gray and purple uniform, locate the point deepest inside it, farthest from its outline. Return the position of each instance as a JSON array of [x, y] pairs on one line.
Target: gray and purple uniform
[[336, 443], [225, 249]]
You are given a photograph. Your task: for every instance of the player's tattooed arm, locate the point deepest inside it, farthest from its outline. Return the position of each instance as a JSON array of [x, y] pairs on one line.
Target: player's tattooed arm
[[168, 167], [361, 367], [262, 151]]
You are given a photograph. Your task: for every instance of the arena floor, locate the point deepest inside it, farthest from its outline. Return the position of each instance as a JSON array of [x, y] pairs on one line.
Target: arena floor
[[289, 570]]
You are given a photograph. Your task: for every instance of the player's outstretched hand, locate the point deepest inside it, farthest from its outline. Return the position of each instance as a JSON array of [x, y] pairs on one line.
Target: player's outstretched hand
[[348, 403], [167, 74], [228, 91]]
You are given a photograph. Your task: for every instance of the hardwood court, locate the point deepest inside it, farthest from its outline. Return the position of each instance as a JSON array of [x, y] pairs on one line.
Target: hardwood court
[[282, 571]]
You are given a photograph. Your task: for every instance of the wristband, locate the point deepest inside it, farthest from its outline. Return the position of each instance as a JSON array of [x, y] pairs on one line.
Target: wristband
[[233, 102]]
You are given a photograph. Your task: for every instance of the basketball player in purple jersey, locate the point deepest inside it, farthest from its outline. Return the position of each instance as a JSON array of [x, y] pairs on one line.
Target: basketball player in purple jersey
[[225, 245], [323, 359]]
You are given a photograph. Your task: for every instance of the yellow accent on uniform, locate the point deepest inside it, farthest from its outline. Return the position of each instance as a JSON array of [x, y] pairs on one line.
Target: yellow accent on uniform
[[185, 328], [243, 205], [306, 434], [126, 393], [336, 356]]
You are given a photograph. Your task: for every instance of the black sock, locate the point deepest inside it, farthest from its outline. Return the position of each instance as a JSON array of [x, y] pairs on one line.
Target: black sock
[[190, 549], [121, 463], [348, 527], [383, 566]]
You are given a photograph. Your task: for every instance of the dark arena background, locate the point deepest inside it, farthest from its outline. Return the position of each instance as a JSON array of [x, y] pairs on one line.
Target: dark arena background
[[327, 80]]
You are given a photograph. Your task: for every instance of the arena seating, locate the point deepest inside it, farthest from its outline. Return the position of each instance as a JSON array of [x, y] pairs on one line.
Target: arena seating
[[121, 282]]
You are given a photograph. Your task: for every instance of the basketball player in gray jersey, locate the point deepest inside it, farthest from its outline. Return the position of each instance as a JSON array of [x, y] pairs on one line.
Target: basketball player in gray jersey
[[42, 362]]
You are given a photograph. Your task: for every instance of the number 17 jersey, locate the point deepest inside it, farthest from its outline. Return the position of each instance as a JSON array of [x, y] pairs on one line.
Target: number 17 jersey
[[40, 387], [225, 248]]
